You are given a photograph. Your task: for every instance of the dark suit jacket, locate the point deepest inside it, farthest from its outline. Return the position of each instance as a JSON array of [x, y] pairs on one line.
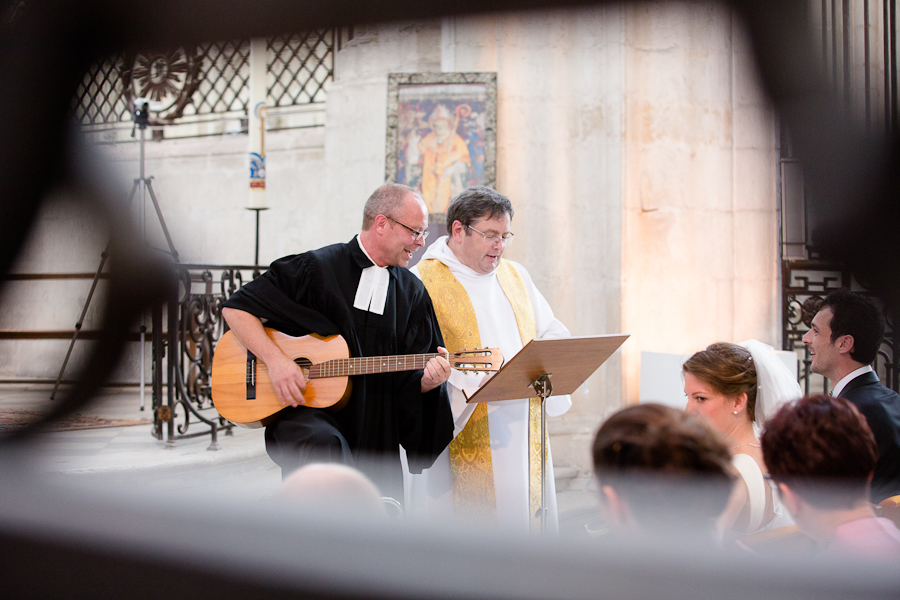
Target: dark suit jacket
[[881, 408]]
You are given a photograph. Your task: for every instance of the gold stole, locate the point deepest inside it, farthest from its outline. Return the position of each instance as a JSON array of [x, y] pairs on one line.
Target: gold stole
[[470, 452]]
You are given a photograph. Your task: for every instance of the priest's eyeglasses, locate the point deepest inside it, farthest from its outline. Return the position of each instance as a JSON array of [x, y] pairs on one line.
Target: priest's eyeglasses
[[420, 235], [506, 239]]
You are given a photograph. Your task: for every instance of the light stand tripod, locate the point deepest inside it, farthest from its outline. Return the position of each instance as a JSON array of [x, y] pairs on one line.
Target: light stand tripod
[[143, 183]]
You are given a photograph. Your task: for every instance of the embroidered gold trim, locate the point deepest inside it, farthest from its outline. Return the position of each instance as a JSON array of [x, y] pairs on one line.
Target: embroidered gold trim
[[470, 455], [514, 287], [471, 467]]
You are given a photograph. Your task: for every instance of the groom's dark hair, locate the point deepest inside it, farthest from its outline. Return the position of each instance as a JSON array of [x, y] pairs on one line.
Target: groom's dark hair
[[860, 317]]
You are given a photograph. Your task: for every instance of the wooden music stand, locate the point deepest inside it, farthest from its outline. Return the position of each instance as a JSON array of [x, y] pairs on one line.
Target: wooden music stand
[[569, 361]]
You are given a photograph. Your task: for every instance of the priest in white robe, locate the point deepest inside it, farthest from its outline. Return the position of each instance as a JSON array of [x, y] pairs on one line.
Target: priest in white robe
[[490, 473]]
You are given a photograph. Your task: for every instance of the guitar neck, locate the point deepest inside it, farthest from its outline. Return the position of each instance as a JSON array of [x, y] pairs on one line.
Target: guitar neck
[[367, 365]]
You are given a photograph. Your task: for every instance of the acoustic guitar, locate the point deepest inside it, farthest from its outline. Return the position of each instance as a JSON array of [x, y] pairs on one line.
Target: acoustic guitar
[[243, 393]]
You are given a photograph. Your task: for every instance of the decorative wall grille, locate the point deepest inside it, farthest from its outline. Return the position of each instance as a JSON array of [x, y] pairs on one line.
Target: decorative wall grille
[[299, 67], [199, 83], [222, 82], [99, 98]]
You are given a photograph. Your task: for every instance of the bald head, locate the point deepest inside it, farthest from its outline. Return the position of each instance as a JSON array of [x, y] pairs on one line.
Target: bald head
[[390, 199], [333, 489], [395, 221]]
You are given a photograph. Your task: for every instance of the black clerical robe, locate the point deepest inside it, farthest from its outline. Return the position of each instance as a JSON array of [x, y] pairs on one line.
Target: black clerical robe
[[314, 293]]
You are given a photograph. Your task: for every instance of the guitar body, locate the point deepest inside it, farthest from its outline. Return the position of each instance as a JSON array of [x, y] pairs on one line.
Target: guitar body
[[230, 377], [243, 393]]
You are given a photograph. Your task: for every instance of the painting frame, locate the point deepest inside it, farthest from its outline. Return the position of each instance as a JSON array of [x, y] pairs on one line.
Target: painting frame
[[484, 134]]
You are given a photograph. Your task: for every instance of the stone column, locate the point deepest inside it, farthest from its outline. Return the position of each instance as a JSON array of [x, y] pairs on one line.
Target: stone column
[[700, 226]]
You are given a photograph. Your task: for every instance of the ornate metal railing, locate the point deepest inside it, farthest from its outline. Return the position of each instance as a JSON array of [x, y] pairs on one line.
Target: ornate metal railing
[[181, 350], [195, 325], [804, 286]]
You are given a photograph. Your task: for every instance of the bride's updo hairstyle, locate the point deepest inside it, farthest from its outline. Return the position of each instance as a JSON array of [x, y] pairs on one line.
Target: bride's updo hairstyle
[[728, 369]]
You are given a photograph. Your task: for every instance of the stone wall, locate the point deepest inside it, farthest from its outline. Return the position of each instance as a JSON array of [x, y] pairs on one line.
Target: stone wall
[[700, 235]]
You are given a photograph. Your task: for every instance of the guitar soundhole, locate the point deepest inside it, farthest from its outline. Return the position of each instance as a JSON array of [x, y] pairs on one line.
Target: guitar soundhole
[[304, 363]]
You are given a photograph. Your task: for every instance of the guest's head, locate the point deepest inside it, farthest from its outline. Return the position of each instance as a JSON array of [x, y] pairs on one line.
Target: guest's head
[[394, 225], [822, 450], [330, 489], [661, 471], [720, 384], [478, 227], [845, 334]]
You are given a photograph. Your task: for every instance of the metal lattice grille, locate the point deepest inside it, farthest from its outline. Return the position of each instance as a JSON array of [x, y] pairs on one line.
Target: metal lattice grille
[[100, 97], [206, 80], [222, 82], [300, 65]]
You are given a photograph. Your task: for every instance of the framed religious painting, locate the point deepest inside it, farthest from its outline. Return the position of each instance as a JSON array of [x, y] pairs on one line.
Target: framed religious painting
[[441, 136]]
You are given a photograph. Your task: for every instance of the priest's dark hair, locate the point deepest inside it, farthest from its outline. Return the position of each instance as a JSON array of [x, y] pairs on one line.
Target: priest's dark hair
[[672, 469], [858, 316], [822, 448], [386, 200], [475, 203]]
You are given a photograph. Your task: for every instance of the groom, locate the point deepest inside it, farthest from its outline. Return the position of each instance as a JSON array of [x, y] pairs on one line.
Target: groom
[[843, 342]]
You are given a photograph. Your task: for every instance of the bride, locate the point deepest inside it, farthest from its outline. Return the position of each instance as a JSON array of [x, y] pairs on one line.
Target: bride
[[736, 387]]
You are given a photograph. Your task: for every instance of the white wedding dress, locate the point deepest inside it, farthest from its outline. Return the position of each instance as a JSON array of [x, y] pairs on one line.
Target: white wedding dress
[[756, 486], [777, 386]]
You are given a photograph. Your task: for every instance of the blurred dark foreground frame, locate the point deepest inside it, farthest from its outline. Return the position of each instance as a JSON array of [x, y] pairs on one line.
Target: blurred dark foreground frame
[[90, 542], [97, 543]]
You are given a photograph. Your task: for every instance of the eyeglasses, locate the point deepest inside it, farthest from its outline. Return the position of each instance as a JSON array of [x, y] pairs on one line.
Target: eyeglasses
[[420, 235], [491, 239]]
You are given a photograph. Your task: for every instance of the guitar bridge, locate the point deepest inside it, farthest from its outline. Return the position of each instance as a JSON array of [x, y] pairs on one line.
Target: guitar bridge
[[251, 376]]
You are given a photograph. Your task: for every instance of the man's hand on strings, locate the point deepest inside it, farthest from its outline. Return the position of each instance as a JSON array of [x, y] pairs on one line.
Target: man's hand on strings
[[437, 371], [286, 376], [288, 380]]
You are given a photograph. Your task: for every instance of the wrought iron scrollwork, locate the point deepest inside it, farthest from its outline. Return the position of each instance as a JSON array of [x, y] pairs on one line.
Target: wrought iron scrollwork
[[202, 294], [804, 286], [230, 281], [809, 308], [793, 311]]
